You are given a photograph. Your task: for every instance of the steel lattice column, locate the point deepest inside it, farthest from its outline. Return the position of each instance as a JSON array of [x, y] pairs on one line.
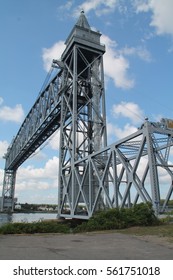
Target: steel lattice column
[[8, 190], [148, 130], [83, 117]]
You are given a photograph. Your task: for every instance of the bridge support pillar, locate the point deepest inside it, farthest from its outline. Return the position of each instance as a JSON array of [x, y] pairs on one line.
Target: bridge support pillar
[[83, 122], [7, 203]]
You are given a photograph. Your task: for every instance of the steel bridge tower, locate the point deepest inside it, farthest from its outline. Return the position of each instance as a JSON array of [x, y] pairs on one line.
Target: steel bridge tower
[[92, 175], [83, 119]]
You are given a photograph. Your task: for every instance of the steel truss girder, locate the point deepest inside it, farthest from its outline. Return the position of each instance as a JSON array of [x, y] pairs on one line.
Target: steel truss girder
[[42, 120], [113, 177], [40, 123]]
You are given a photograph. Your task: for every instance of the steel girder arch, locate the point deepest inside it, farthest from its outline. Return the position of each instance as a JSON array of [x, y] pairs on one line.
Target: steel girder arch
[[126, 173]]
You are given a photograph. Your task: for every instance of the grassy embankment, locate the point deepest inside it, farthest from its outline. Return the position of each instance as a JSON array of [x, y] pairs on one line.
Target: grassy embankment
[[139, 220]]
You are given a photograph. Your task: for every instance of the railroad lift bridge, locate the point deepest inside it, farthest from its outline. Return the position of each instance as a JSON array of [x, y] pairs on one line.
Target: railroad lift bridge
[[91, 174]]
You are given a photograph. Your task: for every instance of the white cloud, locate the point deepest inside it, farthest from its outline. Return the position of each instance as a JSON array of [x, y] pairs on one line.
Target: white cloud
[[129, 110], [38, 155], [29, 178], [51, 167], [48, 171], [139, 51], [1, 100], [54, 52], [161, 10], [141, 5], [67, 5], [120, 133], [3, 148], [32, 184], [15, 114], [116, 65], [99, 6], [54, 141]]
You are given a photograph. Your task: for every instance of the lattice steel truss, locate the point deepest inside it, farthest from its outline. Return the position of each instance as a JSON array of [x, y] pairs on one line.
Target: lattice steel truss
[[134, 169], [92, 175], [40, 123], [83, 116]]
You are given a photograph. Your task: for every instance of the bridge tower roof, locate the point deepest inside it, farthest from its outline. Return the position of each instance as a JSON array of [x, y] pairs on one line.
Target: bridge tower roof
[[82, 34], [82, 21]]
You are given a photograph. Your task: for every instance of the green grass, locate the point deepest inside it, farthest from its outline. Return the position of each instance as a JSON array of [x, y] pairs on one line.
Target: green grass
[[163, 230]]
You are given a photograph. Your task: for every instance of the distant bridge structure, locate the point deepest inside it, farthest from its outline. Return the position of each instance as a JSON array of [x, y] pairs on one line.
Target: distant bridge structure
[[92, 175]]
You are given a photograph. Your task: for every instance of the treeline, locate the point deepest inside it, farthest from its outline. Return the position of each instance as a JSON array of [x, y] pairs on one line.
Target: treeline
[[26, 207]]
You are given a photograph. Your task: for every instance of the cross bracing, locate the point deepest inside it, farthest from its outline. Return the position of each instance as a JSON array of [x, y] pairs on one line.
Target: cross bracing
[[123, 174], [83, 121], [92, 175]]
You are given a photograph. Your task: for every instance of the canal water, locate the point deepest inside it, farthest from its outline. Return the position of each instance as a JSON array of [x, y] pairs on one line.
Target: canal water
[[25, 217]]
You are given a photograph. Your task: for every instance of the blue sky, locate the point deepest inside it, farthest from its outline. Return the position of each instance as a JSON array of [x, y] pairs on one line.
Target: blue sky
[[138, 67]]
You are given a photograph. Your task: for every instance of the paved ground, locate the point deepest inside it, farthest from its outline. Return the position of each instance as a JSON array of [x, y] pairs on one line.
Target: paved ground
[[96, 246]]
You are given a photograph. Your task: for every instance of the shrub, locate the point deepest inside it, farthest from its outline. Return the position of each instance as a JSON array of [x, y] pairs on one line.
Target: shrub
[[37, 227], [139, 215], [144, 215]]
